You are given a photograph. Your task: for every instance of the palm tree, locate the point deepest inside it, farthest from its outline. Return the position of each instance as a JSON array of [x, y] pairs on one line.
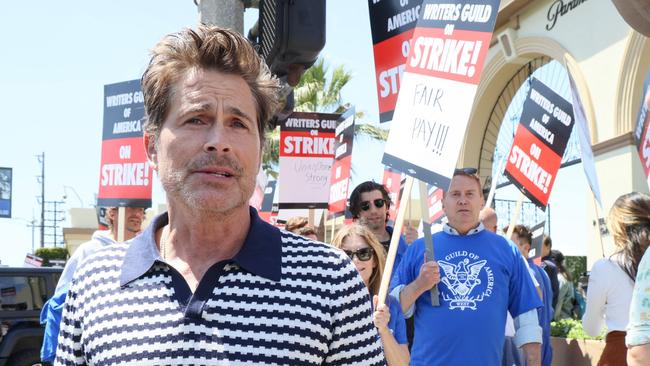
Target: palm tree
[[316, 93]]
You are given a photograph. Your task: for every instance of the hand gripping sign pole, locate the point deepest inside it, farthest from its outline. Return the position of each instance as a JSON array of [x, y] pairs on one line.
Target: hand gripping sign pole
[[394, 241], [515, 217]]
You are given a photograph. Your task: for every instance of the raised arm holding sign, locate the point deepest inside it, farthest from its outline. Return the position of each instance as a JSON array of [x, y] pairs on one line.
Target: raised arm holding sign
[[478, 274]]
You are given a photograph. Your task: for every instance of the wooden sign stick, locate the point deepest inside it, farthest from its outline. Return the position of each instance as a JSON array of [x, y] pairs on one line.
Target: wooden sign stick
[[121, 223], [515, 217], [394, 240]]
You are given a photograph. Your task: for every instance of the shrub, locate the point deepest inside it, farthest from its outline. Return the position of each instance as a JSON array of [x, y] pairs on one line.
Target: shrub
[[572, 329], [51, 253]]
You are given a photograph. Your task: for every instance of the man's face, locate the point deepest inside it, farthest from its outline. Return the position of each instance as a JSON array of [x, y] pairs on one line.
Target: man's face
[[375, 217], [546, 250], [462, 203], [208, 152], [134, 217], [523, 246]]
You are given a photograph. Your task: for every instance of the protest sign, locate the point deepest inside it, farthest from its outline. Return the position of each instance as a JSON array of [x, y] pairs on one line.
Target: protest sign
[[340, 178], [584, 138], [125, 177], [642, 131], [435, 195], [306, 157], [266, 209], [391, 24], [537, 240], [443, 69], [5, 192], [258, 194], [393, 182], [540, 140]]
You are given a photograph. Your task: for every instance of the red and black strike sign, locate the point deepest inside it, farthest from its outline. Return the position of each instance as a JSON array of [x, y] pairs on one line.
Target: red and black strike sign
[[392, 180], [541, 138], [391, 23], [266, 210], [306, 158], [340, 178], [435, 204], [125, 177]]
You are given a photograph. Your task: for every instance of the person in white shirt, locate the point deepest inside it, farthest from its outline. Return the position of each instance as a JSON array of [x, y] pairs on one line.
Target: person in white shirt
[[611, 280]]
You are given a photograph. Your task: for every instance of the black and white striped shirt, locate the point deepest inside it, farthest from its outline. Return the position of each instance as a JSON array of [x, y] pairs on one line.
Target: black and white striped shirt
[[282, 300]]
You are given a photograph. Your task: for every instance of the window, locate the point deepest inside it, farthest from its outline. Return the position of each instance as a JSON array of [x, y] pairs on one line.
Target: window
[[22, 293]]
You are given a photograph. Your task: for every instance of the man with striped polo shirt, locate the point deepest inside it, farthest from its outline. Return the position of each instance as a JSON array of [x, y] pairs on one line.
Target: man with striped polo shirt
[[208, 282]]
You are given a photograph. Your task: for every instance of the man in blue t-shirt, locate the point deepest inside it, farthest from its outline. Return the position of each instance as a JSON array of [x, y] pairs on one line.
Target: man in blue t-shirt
[[479, 276]]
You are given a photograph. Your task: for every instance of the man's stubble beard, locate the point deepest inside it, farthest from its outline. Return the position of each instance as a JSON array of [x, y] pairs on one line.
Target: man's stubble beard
[[175, 185]]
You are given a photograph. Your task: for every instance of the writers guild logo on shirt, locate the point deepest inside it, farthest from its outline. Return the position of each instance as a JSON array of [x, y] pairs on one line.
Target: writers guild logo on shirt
[[468, 281]]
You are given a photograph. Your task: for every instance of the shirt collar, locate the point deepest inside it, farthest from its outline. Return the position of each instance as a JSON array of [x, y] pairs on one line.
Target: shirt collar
[[451, 231], [261, 253]]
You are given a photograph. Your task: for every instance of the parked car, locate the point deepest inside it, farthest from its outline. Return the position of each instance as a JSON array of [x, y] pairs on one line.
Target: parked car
[[23, 291]]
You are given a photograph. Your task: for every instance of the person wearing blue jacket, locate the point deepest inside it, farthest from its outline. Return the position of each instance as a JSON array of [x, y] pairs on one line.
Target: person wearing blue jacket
[[523, 238], [53, 308]]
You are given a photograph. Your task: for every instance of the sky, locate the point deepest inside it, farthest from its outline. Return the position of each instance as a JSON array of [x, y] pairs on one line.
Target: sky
[[56, 58]]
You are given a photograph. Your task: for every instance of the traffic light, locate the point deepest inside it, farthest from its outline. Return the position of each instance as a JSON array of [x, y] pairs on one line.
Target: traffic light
[[291, 35]]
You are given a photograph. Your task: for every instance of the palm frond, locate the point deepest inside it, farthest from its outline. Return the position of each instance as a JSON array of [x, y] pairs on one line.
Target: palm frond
[[371, 131]]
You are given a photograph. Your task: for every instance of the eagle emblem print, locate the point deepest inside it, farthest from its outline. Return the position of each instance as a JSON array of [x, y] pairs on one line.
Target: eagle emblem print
[[467, 280]]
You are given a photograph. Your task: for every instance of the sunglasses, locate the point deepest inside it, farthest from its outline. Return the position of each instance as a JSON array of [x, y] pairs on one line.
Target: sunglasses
[[379, 203], [364, 254]]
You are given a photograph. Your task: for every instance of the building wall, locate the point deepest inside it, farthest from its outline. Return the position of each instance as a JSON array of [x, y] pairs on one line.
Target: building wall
[[609, 62]]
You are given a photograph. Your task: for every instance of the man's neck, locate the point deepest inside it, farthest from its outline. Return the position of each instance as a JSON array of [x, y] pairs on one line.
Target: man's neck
[[194, 241], [381, 234], [463, 229]]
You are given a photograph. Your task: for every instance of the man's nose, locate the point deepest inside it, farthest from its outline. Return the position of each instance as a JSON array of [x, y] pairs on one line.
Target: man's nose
[[217, 139]]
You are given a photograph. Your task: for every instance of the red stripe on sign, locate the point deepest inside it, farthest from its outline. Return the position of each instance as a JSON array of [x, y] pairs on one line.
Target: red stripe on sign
[[312, 144], [339, 184], [124, 172], [390, 59], [458, 56], [533, 165]]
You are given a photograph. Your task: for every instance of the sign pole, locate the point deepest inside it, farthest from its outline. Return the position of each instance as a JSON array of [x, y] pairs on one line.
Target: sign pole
[[121, 221], [394, 241], [428, 240], [515, 217]]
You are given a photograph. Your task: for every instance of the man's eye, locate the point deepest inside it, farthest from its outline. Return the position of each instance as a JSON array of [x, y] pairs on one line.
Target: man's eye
[[194, 121], [239, 124]]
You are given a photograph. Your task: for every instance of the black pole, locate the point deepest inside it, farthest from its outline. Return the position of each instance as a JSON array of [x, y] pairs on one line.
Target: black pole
[[42, 199]]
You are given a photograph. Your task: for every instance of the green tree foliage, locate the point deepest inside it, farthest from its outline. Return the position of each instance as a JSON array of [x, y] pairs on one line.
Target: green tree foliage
[[49, 254], [572, 329], [318, 91]]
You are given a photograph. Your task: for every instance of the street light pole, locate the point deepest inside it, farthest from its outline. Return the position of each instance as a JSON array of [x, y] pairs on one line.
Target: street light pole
[[65, 195], [224, 13]]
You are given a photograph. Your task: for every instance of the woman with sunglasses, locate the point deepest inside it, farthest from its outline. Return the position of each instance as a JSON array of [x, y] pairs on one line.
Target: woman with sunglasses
[[368, 256]]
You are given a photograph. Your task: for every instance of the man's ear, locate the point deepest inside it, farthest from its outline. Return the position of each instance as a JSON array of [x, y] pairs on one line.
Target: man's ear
[[150, 149]]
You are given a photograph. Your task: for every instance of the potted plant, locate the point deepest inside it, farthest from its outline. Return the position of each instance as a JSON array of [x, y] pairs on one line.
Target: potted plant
[[571, 346]]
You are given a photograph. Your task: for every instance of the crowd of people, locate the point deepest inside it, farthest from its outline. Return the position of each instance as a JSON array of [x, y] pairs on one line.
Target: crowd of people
[[209, 282]]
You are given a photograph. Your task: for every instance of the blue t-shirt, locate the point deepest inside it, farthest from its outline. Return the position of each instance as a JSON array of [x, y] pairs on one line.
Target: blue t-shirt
[[396, 324], [544, 314], [482, 276]]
